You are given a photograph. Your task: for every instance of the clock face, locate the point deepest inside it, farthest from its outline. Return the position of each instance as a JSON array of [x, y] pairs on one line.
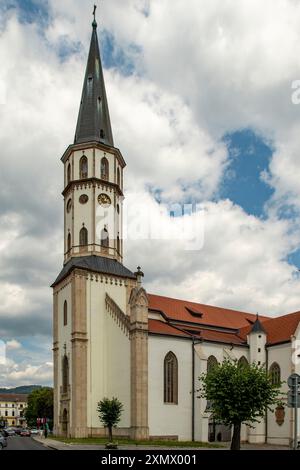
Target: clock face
[[104, 200], [83, 199]]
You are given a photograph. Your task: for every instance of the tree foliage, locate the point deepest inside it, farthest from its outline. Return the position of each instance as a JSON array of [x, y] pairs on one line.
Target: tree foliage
[[40, 405], [238, 393], [110, 412]]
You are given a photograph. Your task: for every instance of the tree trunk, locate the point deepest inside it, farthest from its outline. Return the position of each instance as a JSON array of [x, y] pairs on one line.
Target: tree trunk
[[236, 438], [110, 433]]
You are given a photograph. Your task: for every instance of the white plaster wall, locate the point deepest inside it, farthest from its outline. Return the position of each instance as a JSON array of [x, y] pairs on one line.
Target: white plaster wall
[[280, 434], [108, 352], [167, 419]]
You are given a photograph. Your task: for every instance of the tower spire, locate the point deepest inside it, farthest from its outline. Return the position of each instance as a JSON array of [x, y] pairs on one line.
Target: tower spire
[[93, 120]]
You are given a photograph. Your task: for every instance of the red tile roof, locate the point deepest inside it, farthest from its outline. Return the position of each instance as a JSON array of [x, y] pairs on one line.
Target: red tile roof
[[215, 316], [279, 329]]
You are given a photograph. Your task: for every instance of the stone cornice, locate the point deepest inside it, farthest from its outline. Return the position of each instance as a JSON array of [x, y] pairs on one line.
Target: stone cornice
[[92, 145], [94, 182]]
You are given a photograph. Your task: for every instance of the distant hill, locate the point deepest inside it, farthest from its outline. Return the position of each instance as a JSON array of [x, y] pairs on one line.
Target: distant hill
[[26, 389]]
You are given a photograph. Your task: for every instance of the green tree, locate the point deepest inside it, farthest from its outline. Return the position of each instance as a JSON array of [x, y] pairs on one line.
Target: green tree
[[238, 393], [40, 405], [110, 413]]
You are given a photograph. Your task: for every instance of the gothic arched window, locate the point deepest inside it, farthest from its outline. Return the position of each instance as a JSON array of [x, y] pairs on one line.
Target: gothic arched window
[[118, 244], [69, 174], [275, 374], [105, 238], [171, 379], [65, 313], [211, 363], [242, 362], [65, 374], [69, 243], [83, 167], [118, 177], [104, 169], [83, 237]]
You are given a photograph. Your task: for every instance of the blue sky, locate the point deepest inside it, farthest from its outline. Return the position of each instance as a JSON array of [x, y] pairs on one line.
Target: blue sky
[[196, 118]]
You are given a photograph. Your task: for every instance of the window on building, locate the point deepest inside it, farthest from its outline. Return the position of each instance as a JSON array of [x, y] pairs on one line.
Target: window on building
[[118, 177], [275, 374], [65, 374], [13, 413], [118, 244], [65, 313], [105, 238], [171, 379], [69, 243], [6, 413], [211, 363], [83, 167], [104, 169], [83, 237], [69, 174], [243, 361], [21, 406], [13, 405]]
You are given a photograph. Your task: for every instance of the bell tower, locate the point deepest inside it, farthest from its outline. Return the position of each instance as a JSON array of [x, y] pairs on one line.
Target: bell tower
[[100, 329], [93, 169]]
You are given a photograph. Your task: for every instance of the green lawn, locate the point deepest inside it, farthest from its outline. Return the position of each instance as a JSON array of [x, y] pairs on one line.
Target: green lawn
[[122, 441]]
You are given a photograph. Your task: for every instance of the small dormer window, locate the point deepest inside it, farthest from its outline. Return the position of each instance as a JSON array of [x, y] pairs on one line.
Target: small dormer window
[[102, 134]]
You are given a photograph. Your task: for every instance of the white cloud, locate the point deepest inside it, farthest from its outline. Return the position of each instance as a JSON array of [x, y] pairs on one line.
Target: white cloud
[[205, 70], [13, 344]]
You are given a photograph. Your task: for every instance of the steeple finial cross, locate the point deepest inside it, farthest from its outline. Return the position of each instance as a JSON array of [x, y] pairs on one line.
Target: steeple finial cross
[[94, 15]]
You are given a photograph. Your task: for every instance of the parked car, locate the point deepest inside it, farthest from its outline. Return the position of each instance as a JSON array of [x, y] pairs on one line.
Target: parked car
[[34, 432], [18, 431], [3, 441], [9, 431], [25, 433]]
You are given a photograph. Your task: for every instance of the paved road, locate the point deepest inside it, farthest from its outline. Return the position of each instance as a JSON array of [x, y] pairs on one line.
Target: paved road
[[23, 443]]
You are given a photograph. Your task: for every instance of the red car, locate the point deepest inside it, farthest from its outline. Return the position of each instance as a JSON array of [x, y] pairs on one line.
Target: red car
[[25, 433]]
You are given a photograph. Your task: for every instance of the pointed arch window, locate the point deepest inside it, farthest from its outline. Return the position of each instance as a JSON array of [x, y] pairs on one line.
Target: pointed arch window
[[118, 177], [69, 174], [105, 238], [242, 362], [275, 374], [65, 374], [104, 169], [65, 313], [83, 167], [69, 244], [171, 379], [83, 237], [211, 363], [118, 244]]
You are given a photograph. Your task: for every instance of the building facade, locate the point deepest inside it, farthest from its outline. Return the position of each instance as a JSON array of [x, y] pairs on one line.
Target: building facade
[[12, 407], [111, 338]]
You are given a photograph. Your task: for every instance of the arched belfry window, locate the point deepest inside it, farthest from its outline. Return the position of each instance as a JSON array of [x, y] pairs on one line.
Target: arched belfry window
[[69, 244], [118, 244], [171, 379], [105, 238], [104, 169], [69, 174], [275, 374], [83, 237], [211, 363], [118, 177], [65, 313], [83, 167], [65, 374], [242, 362]]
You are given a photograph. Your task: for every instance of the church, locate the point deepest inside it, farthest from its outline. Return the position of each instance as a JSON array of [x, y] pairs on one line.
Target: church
[[114, 339]]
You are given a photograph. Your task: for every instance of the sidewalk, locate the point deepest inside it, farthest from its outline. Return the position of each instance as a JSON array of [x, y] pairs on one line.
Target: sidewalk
[[57, 445]]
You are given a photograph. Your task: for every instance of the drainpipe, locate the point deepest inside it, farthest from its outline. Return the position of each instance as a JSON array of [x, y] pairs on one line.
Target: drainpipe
[[193, 389]]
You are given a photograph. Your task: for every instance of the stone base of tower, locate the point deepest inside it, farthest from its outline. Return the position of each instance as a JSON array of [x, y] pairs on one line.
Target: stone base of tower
[[139, 433]]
